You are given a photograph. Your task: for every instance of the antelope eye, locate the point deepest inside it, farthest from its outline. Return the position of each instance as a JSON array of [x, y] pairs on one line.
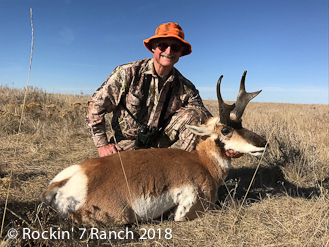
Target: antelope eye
[[225, 131]]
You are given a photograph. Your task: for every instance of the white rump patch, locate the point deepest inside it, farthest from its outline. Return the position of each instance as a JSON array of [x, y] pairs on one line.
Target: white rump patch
[[72, 195], [66, 173], [153, 207]]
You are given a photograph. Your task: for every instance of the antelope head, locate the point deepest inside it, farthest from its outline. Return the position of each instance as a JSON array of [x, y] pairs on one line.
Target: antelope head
[[227, 131]]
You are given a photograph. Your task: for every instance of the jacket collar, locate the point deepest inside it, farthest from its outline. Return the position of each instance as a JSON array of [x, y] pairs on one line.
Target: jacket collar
[[149, 69]]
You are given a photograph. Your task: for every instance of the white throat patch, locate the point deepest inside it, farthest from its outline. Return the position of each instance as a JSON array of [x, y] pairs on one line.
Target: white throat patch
[[222, 162]]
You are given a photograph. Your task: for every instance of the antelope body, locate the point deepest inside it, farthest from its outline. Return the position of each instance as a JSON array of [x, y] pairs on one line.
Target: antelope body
[[150, 182]]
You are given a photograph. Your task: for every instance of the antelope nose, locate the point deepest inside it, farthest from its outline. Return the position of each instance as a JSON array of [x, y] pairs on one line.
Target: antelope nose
[[264, 144]]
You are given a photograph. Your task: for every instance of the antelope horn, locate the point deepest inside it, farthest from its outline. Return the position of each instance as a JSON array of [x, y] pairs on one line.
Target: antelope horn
[[242, 100], [224, 109]]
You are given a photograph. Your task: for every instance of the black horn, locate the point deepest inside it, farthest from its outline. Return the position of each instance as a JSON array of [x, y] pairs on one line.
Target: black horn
[[224, 109], [242, 100], [231, 114]]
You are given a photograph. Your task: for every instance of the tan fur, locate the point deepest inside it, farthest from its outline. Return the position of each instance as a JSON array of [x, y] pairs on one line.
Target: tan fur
[[109, 199], [153, 173]]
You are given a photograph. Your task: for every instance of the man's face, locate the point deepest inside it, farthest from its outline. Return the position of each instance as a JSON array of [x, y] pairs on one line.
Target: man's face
[[166, 51]]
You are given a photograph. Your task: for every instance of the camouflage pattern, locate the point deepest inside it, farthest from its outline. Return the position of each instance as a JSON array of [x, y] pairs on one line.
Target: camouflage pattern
[[125, 85]]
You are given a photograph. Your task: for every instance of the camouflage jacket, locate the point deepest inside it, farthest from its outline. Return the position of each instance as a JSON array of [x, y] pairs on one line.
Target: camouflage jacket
[[125, 85]]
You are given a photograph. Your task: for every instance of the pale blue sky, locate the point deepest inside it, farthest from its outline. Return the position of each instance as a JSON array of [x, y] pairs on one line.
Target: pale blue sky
[[283, 44]]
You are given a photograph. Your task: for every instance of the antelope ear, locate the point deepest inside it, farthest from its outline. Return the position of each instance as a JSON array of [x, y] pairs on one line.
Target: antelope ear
[[202, 130]]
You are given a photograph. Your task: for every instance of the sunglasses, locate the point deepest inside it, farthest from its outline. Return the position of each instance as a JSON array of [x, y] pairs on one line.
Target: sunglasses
[[174, 47]]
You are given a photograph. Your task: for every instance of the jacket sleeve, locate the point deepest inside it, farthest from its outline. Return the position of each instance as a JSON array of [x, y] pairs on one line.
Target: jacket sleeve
[[195, 101], [192, 98], [105, 100]]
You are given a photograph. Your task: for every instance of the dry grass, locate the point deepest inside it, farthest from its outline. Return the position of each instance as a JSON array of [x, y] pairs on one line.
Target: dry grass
[[287, 204]]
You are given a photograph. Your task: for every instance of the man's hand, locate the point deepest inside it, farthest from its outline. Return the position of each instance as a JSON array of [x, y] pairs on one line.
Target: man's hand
[[233, 154], [108, 150]]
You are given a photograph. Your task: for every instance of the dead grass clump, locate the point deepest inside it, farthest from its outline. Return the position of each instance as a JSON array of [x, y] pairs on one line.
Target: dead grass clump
[[41, 111], [9, 122], [286, 221]]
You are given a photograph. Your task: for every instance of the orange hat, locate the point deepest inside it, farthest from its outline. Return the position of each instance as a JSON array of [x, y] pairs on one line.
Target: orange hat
[[169, 30]]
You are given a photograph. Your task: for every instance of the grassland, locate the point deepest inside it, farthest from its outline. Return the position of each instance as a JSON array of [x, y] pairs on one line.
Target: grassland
[[287, 205]]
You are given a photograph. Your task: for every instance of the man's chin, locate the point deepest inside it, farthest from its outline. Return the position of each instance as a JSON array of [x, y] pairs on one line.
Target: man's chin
[[167, 61]]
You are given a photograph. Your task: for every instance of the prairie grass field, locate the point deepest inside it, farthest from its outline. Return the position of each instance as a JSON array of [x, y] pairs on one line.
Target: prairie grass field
[[287, 204]]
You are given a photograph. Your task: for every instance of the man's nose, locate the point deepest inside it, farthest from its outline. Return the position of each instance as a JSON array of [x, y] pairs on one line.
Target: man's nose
[[168, 50]]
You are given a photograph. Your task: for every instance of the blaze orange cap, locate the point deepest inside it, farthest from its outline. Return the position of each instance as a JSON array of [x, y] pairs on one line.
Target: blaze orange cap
[[169, 30]]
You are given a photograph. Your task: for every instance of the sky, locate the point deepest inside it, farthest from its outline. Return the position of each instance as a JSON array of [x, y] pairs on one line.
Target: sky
[[283, 44]]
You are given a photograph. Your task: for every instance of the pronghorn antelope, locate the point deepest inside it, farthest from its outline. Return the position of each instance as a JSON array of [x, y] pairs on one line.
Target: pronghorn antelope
[[149, 182]]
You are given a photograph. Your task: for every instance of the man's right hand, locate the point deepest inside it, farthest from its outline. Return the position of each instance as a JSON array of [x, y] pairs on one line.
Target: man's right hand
[[108, 150]]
